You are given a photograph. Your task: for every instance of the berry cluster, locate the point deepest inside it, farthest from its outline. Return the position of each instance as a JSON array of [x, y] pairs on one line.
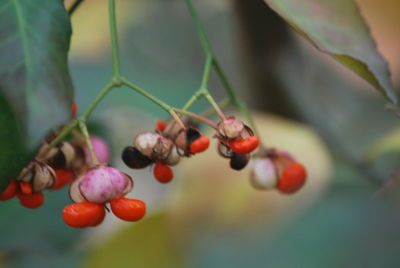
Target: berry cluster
[[94, 184], [164, 148], [236, 142], [52, 168]]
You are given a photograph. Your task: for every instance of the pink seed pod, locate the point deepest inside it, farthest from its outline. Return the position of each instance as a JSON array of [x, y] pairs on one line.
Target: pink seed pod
[[230, 128], [263, 174], [100, 148], [100, 184]]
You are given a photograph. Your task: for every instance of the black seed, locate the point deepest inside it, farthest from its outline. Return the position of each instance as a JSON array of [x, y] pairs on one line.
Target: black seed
[[58, 161], [133, 158], [239, 161], [192, 134]]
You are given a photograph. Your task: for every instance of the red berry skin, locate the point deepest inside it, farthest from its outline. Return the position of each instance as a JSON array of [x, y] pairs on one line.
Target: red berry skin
[[31, 201], [161, 125], [10, 191], [128, 209], [199, 145], [74, 109], [63, 177], [83, 214], [292, 179], [25, 187], [245, 146], [163, 173]]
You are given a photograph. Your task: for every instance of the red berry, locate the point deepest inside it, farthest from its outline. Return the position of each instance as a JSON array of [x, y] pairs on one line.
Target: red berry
[[163, 173], [10, 191], [128, 209], [25, 187], [161, 125], [74, 109], [83, 214], [245, 146], [199, 145], [292, 179], [34, 200], [63, 177]]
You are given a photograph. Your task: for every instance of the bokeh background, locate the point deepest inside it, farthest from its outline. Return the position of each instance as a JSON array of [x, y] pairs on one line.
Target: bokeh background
[[347, 215]]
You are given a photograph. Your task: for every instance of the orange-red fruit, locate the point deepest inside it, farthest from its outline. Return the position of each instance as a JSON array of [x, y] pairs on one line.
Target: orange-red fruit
[[74, 109], [161, 125], [163, 173], [199, 145], [128, 209], [25, 187], [292, 179], [34, 200], [63, 177], [83, 214], [245, 146], [10, 191]]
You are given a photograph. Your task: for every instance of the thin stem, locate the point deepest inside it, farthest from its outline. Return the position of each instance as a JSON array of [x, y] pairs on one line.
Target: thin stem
[[74, 6], [196, 96], [200, 28], [177, 119], [197, 117], [62, 134], [222, 104], [157, 101], [85, 132], [214, 104], [203, 86], [206, 72], [97, 100], [114, 40], [234, 99], [228, 88]]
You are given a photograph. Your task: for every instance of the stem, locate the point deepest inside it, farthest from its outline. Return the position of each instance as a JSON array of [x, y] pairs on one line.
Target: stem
[[214, 104], [206, 73], [203, 86], [177, 119], [114, 41], [74, 6], [222, 104], [234, 99], [85, 132], [200, 28], [157, 101], [211, 58], [96, 101], [61, 135], [197, 117]]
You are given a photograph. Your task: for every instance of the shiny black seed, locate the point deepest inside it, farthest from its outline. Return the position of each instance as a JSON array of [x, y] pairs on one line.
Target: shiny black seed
[[239, 161], [133, 158], [192, 134], [58, 161]]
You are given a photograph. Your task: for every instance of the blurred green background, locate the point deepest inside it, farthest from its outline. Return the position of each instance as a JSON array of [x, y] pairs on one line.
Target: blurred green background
[[209, 216]]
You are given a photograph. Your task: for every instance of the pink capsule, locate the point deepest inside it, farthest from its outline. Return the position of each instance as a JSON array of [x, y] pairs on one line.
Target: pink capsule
[[100, 185], [100, 148]]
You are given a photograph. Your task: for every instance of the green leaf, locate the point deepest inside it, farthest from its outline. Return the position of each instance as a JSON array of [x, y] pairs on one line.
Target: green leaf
[[337, 28], [34, 79]]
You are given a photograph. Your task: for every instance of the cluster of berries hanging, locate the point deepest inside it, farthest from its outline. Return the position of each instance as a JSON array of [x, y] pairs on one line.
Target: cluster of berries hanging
[[164, 148], [94, 184]]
